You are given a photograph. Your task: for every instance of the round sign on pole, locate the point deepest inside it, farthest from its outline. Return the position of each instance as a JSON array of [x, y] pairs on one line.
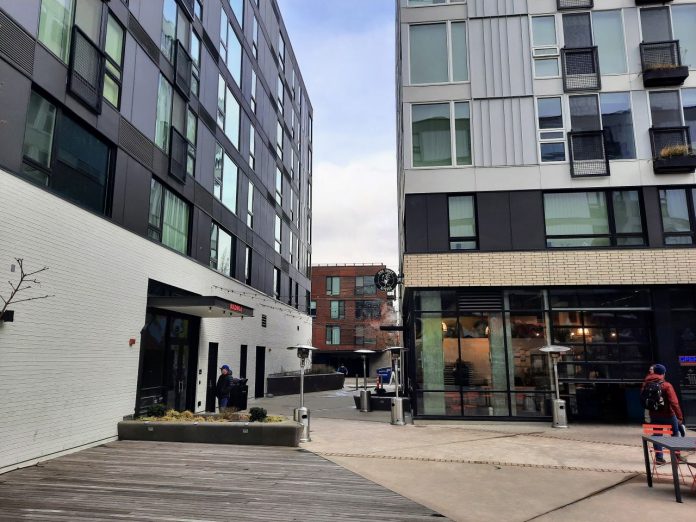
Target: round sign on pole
[[386, 280]]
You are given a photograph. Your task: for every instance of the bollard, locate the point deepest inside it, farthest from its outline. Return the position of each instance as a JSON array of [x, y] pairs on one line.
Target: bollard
[[357, 383]]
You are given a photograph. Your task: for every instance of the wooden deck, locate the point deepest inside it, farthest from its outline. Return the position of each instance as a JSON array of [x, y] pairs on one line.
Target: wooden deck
[[152, 481]]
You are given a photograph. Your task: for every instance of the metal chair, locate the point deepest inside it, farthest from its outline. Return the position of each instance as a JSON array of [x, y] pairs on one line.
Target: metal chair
[[665, 430]]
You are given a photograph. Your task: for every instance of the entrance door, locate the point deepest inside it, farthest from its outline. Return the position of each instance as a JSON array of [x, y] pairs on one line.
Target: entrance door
[[178, 363], [260, 371], [212, 376]]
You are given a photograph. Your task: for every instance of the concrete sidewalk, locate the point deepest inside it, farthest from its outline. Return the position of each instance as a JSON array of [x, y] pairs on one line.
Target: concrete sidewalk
[[493, 471]]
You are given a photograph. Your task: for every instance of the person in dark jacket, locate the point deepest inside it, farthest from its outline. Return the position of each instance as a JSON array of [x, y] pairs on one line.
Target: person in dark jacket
[[669, 413], [224, 386]]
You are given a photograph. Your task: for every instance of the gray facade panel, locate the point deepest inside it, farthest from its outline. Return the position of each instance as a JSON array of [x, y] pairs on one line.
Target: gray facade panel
[[135, 198], [24, 12], [416, 223], [527, 226], [493, 218], [504, 129], [145, 85], [485, 8], [150, 17], [14, 100]]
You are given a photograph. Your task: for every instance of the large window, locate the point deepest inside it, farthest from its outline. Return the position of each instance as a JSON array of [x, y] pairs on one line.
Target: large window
[[545, 44], [163, 120], [333, 335], [365, 285], [551, 130], [462, 223], [195, 63], [278, 233], [279, 187], [222, 251], [276, 282], [338, 309], [250, 205], [603, 29], [678, 215], [168, 219], [593, 219], [333, 285], [432, 136], [169, 25], [617, 122], [55, 24], [230, 48], [438, 53], [228, 112], [114, 61], [225, 179], [60, 154], [674, 109], [684, 21], [367, 309], [247, 265]]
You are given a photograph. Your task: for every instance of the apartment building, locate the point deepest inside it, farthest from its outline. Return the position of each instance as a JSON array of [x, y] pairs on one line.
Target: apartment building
[[156, 156], [547, 196]]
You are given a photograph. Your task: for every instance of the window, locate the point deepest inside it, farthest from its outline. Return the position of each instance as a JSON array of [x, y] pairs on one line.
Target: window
[[191, 137], [279, 187], [169, 20], [163, 121], [278, 234], [195, 63], [113, 69], [551, 130], [250, 206], [252, 147], [169, 218], [430, 60], [333, 285], [684, 21], [276, 283], [617, 122], [462, 223], [313, 308], [607, 29], [238, 10], [678, 215], [230, 48], [689, 107], [665, 109], [222, 251], [198, 9], [279, 139], [338, 309], [225, 179], [365, 285], [290, 288], [58, 153], [367, 309], [280, 94], [55, 25], [247, 265], [333, 335], [432, 136], [253, 91], [281, 52], [593, 219], [255, 38], [228, 112], [545, 45]]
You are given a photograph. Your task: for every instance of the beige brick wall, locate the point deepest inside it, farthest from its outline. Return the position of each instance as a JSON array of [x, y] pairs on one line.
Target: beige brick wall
[[552, 268]]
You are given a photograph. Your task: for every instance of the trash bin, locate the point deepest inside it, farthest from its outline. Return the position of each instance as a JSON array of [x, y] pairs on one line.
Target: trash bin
[[385, 374], [239, 394], [365, 400], [397, 411]]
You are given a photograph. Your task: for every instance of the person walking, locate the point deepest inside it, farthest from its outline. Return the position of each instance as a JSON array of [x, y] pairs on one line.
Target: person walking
[[224, 386], [661, 400]]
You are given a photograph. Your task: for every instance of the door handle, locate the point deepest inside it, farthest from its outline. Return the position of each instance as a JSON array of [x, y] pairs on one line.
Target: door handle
[[181, 385]]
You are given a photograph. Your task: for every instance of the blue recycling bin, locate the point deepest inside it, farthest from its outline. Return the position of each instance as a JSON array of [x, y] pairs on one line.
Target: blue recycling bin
[[385, 374]]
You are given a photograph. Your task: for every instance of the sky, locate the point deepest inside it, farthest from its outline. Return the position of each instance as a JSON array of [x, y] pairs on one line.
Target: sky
[[345, 51]]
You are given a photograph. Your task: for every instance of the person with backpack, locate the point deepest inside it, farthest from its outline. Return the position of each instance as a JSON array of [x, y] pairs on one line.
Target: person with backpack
[[660, 399]]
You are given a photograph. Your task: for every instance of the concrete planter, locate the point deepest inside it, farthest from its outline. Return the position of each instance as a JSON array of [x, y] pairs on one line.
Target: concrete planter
[[290, 384], [243, 433]]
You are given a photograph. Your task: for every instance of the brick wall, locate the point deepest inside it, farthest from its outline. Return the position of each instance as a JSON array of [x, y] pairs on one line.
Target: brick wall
[[552, 268], [67, 373]]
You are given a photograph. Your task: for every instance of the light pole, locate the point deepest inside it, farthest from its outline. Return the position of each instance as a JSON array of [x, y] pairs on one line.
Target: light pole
[[558, 405], [398, 417], [301, 414], [365, 395]]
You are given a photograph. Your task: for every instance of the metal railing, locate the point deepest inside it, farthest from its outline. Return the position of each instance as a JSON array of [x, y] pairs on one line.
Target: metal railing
[[182, 68], [86, 74], [178, 149], [588, 154], [670, 142], [574, 4], [581, 69], [660, 55]]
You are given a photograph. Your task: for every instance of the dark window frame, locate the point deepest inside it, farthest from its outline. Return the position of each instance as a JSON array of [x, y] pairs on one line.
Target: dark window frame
[[159, 230], [108, 60], [690, 201], [454, 239], [360, 288]]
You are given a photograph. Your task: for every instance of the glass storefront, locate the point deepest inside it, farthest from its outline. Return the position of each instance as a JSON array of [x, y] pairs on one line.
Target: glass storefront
[[476, 353]]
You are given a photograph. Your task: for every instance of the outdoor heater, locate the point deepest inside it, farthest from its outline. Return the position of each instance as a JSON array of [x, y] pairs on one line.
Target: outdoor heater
[[301, 414], [365, 395], [558, 405], [398, 417]]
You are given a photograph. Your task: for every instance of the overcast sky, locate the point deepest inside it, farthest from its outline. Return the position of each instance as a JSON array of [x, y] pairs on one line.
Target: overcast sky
[[345, 50]]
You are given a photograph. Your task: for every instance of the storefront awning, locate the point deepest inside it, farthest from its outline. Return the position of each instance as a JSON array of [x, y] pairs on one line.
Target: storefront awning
[[200, 306]]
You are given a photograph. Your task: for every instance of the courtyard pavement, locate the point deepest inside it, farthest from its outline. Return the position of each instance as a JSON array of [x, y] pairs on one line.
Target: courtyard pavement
[[493, 471]]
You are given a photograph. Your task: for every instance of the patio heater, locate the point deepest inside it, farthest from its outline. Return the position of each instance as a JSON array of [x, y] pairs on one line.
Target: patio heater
[[398, 417], [558, 405], [365, 395], [301, 414]]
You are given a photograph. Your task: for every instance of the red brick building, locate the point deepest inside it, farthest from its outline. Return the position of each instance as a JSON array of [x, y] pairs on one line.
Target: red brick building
[[348, 311]]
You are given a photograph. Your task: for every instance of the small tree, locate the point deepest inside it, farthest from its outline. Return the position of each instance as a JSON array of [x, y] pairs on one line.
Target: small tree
[[27, 281]]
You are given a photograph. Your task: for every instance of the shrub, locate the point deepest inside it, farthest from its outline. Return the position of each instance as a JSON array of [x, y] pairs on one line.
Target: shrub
[[156, 410], [672, 151], [257, 414]]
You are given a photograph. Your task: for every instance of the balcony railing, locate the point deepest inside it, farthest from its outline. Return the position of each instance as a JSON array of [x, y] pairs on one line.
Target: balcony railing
[[650, 2], [86, 74], [588, 154], [574, 4], [662, 64], [178, 149], [672, 150], [581, 69], [182, 68]]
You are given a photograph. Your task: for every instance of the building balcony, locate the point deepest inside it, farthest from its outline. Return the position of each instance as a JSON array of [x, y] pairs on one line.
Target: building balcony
[[662, 64], [178, 149], [587, 154], [574, 4], [651, 2], [581, 69], [86, 71], [672, 150], [182, 70]]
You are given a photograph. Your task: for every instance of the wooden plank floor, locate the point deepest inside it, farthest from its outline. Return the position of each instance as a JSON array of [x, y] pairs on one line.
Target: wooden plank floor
[[151, 481]]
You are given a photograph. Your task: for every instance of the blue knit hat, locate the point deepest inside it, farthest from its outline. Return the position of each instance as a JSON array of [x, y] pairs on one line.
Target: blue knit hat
[[659, 369]]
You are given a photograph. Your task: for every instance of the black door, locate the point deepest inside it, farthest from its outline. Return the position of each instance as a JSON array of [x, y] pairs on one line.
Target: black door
[[243, 362], [260, 371], [212, 376], [178, 363]]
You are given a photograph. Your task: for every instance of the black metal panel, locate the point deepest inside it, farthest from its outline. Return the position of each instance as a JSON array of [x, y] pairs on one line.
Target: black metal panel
[[588, 155], [581, 69], [527, 220], [187, 6], [16, 45], [574, 4], [438, 223], [416, 223], [653, 217], [14, 102], [177, 156], [493, 219], [182, 70], [86, 71], [672, 151], [662, 65], [136, 143]]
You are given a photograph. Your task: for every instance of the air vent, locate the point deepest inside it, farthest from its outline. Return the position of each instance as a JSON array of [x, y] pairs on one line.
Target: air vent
[[135, 143], [177, 156], [475, 301], [264, 321], [16, 45], [144, 39], [86, 71]]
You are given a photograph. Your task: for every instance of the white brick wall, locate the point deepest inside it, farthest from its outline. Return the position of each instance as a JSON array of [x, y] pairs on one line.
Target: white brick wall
[[67, 374]]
